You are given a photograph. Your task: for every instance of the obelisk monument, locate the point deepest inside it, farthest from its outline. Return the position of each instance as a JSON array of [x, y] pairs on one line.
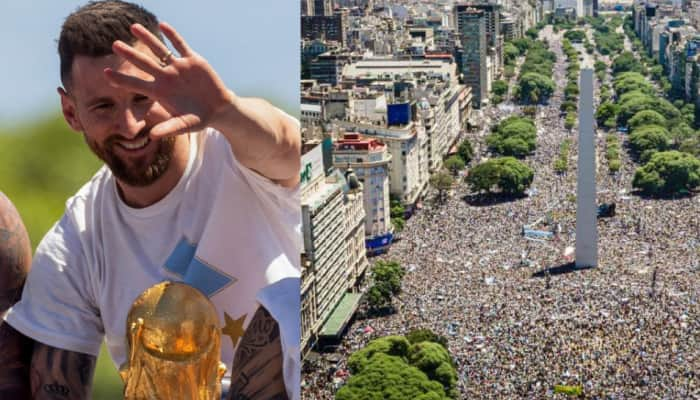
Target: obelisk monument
[[586, 209]]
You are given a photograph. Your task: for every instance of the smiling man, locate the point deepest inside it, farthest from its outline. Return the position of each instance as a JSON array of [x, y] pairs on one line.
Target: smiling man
[[199, 186]]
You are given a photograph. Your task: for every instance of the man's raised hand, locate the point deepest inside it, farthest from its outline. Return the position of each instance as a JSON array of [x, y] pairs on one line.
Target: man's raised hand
[[186, 86]]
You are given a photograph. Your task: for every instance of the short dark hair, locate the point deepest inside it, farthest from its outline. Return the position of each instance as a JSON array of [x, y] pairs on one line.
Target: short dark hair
[[93, 28]]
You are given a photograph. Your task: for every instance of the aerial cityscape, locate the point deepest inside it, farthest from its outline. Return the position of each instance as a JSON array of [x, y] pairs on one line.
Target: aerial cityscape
[[500, 199]]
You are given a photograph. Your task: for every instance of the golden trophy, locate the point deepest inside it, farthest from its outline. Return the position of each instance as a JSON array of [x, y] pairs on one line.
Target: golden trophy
[[174, 346]]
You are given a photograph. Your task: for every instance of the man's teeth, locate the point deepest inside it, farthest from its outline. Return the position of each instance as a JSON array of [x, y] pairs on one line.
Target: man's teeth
[[135, 145]]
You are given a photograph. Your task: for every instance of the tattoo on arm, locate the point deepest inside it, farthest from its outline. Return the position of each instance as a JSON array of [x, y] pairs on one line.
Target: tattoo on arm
[[15, 357], [61, 374], [257, 366]]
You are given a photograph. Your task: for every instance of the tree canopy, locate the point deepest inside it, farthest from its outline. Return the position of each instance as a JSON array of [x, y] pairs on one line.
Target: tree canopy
[[393, 367], [647, 139], [576, 36], [454, 164], [647, 117], [505, 173], [514, 136], [465, 151], [386, 277], [626, 62], [667, 173]]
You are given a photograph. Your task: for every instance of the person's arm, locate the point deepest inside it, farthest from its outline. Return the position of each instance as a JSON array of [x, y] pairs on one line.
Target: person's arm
[[33, 370], [30, 369], [262, 137], [61, 374], [257, 367], [15, 254], [15, 358], [15, 260]]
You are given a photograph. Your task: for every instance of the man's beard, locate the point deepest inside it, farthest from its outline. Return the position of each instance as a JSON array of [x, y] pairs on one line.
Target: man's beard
[[137, 172]]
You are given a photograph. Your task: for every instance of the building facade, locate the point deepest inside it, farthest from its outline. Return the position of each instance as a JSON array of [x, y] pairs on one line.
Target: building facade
[[369, 158], [471, 27], [333, 253]]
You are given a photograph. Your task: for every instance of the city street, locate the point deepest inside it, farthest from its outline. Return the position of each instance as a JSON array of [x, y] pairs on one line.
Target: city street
[[519, 320]]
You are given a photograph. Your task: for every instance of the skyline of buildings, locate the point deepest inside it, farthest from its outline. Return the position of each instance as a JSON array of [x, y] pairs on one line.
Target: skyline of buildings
[[387, 90]]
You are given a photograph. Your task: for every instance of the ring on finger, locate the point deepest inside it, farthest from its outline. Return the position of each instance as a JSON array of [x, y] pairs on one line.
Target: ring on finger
[[165, 60]]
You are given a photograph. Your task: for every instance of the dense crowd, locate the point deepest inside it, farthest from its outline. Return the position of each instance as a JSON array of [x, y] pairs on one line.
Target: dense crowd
[[518, 318]]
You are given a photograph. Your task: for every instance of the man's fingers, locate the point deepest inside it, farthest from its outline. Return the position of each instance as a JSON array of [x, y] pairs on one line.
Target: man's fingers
[[175, 38], [129, 82], [139, 59], [176, 126], [157, 47]]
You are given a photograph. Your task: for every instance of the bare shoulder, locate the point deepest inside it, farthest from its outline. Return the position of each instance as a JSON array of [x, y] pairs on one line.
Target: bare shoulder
[[15, 254], [61, 374], [257, 367]]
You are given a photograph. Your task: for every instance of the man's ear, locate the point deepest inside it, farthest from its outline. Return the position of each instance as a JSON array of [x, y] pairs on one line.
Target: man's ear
[[69, 110]]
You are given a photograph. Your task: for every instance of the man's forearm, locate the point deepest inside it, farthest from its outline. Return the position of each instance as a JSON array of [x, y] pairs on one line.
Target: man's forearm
[[257, 368], [15, 358], [61, 374], [262, 138]]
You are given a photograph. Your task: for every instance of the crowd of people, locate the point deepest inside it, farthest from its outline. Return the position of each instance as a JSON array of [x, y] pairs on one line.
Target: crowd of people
[[518, 317]]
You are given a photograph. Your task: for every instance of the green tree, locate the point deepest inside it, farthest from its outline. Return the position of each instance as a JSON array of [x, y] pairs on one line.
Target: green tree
[[386, 376], [500, 88], [680, 132], [426, 335], [667, 173], [434, 360], [532, 33], [510, 53], [600, 66], [454, 164], [535, 88], [397, 213], [648, 139], [570, 121], [691, 146], [442, 182], [465, 151], [575, 36], [632, 81], [633, 102], [514, 136], [386, 283], [507, 173], [606, 111], [625, 62], [647, 117], [568, 106], [571, 91], [523, 45]]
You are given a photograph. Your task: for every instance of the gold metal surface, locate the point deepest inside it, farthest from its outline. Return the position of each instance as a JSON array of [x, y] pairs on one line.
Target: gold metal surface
[[174, 346]]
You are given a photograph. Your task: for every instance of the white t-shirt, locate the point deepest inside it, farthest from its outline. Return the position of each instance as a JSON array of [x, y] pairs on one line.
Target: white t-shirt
[[224, 229]]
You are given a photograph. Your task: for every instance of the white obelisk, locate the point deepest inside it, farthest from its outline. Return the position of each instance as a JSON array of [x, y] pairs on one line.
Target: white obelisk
[[586, 209]]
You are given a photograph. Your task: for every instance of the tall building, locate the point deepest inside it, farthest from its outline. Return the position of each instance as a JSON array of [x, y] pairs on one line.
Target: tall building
[[323, 7], [370, 159], [471, 27], [407, 144], [494, 40], [334, 254], [326, 27], [328, 67], [307, 7]]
